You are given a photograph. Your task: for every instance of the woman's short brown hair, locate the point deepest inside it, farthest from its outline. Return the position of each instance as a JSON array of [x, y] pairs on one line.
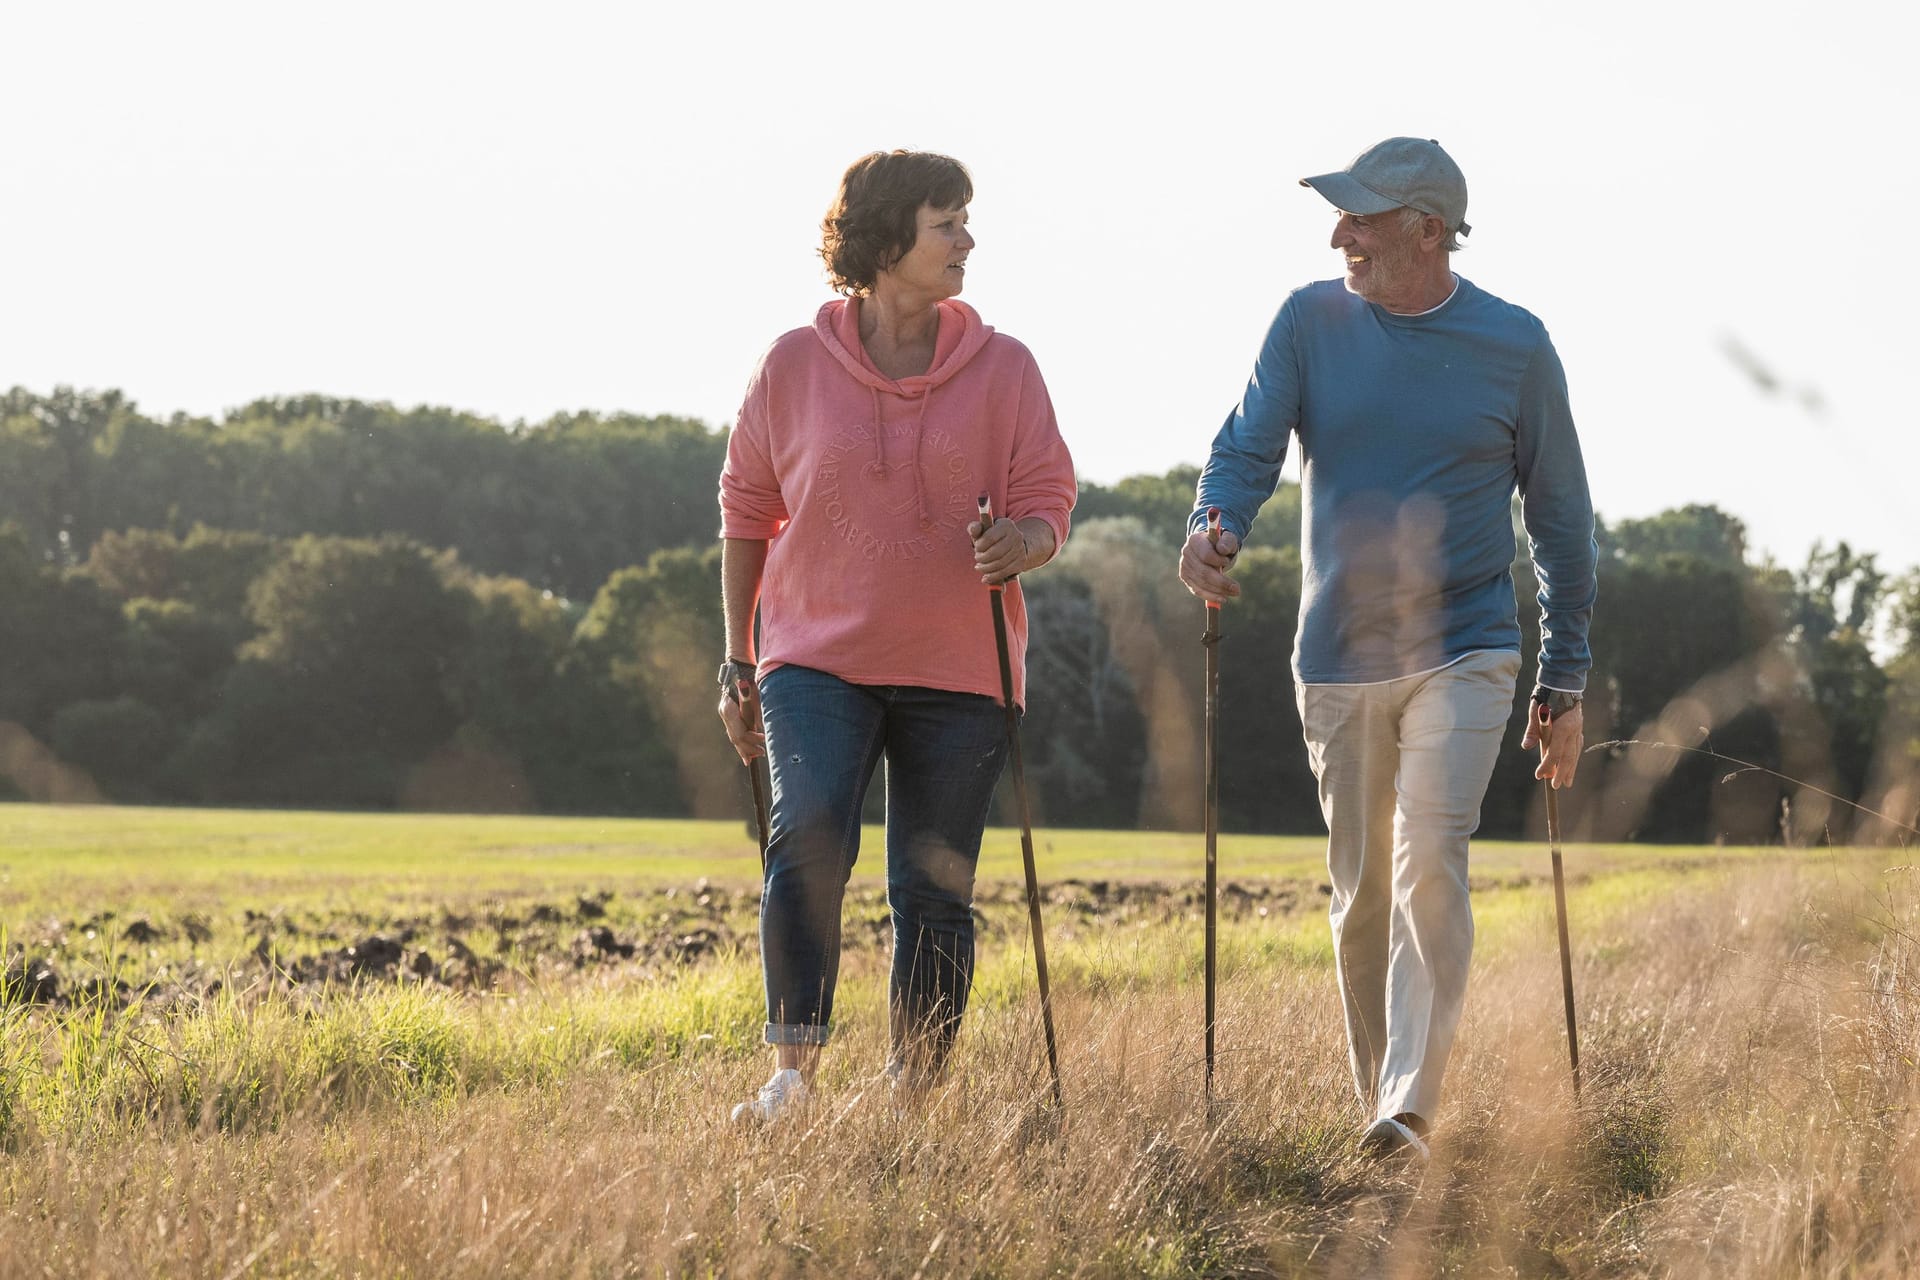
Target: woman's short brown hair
[[874, 218]]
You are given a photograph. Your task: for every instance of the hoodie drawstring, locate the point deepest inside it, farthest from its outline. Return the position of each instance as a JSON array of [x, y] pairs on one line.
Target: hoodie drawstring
[[919, 433]]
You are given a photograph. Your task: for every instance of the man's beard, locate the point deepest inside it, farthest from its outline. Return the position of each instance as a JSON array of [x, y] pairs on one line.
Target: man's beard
[[1387, 271]]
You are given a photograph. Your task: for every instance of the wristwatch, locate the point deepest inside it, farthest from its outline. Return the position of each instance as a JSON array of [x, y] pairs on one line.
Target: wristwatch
[[732, 672], [1557, 701]]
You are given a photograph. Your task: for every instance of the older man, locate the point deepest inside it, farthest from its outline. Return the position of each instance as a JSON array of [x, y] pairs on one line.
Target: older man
[[1421, 404]]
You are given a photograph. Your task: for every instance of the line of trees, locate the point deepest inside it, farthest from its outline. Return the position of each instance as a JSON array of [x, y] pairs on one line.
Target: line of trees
[[560, 504], [322, 602]]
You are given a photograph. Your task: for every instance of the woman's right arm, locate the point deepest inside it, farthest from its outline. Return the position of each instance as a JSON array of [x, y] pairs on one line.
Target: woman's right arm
[[742, 562], [752, 510]]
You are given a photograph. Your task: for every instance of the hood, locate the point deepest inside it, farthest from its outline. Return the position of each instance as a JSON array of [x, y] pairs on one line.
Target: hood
[[960, 339]]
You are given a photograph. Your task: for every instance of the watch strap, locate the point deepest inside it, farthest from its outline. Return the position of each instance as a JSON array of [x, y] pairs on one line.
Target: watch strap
[[1556, 701], [733, 671]]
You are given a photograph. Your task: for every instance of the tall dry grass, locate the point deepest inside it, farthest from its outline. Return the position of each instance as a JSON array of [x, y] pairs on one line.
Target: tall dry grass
[[1749, 1110]]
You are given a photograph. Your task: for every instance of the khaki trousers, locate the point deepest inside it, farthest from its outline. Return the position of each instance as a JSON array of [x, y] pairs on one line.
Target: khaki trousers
[[1403, 767]]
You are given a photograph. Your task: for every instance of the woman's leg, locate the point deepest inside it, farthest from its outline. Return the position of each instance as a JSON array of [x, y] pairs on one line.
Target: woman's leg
[[944, 752], [823, 737]]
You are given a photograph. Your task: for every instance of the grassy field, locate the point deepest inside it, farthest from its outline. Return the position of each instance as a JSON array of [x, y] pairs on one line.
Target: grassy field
[[292, 1044]]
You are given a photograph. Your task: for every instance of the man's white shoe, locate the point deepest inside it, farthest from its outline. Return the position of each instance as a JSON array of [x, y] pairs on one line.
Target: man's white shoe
[[784, 1093], [1389, 1137]]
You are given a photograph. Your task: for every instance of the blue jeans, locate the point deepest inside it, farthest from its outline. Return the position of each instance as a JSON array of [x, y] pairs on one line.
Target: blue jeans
[[944, 752]]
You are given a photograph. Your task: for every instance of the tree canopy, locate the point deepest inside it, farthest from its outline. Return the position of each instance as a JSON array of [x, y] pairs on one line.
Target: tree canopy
[[315, 601]]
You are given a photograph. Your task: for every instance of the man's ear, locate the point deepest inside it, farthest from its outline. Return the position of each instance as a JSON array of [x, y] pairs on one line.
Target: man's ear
[[1433, 232]]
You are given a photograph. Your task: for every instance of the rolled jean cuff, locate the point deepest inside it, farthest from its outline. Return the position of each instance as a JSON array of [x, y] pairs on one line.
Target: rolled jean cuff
[[796, 1033]]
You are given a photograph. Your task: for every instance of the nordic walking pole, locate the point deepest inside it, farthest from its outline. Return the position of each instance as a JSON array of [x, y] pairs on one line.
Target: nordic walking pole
[[761, 821], [1212, 642], [1543, 719], [1026, 822]]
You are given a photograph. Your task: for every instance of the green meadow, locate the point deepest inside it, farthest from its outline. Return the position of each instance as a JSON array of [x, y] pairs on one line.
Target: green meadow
[[68, 857], [268, 1043]]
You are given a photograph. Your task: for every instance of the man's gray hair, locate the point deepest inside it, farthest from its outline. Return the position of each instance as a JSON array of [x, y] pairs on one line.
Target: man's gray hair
[[1410, 220]]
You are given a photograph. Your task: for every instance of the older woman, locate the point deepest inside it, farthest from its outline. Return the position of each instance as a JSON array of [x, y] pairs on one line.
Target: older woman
[[848, 514]]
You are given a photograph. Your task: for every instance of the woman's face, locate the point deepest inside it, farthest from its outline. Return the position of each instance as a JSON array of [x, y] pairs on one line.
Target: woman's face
[[937, 263]]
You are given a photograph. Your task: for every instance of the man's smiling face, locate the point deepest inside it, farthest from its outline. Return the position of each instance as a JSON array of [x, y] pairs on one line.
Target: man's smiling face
[[1380, 254]]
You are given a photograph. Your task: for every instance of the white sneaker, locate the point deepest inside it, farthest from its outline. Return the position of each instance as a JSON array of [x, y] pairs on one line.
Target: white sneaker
[[784, 1093], [1388, 1138]]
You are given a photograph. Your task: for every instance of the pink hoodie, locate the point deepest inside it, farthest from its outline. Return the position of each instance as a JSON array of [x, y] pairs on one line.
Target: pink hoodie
[[870, 572]]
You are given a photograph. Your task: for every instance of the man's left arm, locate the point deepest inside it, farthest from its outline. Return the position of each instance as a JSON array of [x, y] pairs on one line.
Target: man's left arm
[[1557, 510]]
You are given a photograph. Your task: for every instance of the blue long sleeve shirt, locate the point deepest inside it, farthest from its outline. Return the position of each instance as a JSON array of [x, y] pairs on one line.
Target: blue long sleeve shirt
[[1415, 431]]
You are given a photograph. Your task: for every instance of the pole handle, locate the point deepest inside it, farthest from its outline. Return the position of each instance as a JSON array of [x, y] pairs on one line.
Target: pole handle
[[762, 818], [1213, 540], [986, 522], [1542, 725]]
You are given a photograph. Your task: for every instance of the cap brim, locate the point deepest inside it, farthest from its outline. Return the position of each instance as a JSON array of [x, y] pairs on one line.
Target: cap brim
[[1345, 192]]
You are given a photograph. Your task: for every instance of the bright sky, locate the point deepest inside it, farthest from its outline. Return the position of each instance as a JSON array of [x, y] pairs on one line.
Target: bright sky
[[521, 209]]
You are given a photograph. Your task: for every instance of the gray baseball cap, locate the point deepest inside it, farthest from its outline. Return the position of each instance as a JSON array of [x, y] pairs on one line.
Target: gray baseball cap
[[1400, 171]]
